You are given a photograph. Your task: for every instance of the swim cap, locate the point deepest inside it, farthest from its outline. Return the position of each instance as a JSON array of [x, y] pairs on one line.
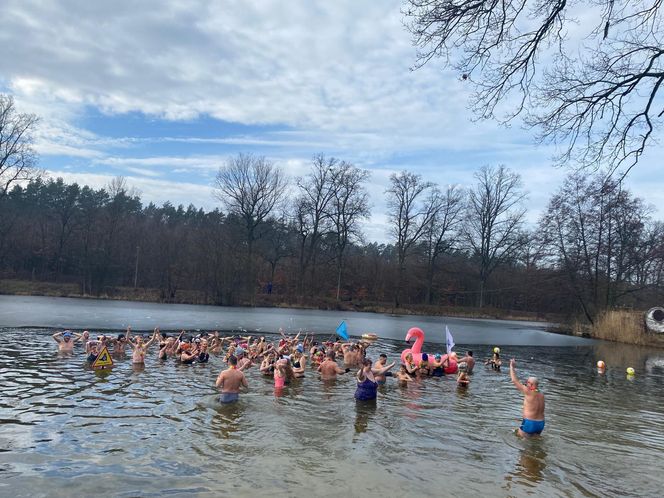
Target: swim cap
[[239, 351], [630, 371], [496, 349], [601, 364], [300, 347], [66, 334], [438, 356], [425, 357]]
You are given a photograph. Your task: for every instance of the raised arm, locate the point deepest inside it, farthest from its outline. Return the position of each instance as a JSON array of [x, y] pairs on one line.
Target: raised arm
[[386, 368], [152, 339], [57, 337], [515, 380]]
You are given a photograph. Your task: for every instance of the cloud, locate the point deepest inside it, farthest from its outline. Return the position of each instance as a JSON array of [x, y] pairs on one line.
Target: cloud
[[331, 77]]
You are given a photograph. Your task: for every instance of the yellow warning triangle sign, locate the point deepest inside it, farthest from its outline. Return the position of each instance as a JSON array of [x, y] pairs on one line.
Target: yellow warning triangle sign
[[103, 360]]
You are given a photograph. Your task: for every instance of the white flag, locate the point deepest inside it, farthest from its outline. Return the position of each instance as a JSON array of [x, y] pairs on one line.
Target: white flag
[[449, 341]]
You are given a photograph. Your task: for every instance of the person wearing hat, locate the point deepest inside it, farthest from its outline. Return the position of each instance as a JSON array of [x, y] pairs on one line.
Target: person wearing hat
[[533, 404], [438, 365], [242, 361], [298, 362], [65, 341]]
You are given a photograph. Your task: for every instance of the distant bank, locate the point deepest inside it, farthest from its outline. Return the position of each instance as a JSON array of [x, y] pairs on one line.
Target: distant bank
[[55, 289]]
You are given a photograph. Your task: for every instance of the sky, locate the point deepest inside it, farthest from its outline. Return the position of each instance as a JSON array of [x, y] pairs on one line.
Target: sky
[[164, 92]]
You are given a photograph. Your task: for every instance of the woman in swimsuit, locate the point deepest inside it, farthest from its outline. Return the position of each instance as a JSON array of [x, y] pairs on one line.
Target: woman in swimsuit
[[367, 387], [411, 368], [299, 361], [439, 365], [280, 374], [267, 365]]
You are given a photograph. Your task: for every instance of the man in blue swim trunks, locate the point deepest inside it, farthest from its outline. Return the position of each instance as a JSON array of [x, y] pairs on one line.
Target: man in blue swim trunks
[[230, 381], [533, 404]]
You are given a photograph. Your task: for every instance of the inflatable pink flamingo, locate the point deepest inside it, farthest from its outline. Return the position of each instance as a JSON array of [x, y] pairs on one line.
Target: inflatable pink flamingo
[[416, 350]]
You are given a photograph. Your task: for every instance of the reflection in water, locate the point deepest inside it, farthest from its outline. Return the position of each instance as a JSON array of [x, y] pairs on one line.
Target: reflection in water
[[138, 367], [156, 430], [364, 412], [529, 468], [227, 419]]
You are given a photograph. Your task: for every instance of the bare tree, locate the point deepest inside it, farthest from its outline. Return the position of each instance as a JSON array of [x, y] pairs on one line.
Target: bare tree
[[440, 233], [312, 212], [250, 187], [410, 209], [348, 207], [494, 217], [17, 157], [595, 90], [599, 237]]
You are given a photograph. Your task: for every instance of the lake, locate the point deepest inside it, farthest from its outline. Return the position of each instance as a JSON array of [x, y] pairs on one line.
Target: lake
[[158, 430]]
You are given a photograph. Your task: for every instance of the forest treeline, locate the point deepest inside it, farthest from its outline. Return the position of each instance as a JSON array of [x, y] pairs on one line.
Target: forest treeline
[[300, 241]]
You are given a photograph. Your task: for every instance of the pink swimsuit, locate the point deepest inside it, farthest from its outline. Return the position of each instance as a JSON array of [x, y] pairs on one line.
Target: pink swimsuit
[[279, 381]]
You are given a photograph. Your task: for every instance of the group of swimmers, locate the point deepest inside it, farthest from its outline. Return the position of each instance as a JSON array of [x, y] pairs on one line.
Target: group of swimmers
[[286, 360]]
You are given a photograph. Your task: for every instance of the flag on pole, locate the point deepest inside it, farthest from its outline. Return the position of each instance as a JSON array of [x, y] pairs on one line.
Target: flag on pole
[[449, 341], [342, 330]]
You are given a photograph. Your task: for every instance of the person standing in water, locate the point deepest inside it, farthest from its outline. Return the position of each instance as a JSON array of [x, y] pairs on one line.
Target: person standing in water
[[230, 381], [367, 387], [533, 404], [469, 361], [329, 368], [139, 347], [65, 341], [381, 369]]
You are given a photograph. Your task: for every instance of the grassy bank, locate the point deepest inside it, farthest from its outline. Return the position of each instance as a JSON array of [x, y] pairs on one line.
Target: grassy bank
[[625, 326], [30, 288]]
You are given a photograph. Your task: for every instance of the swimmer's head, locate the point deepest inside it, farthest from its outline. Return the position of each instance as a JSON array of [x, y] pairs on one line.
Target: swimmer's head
[[409, 357], [425, 357], [366, 362], [121, 337], [232, 360], [239, 352], [496, 350], [601, 364], [630, 371], [66, 336], [470, 353], [300, 348], [532, 383], [438, 356]]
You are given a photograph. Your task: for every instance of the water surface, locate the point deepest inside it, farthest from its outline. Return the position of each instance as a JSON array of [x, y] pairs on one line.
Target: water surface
[[70, 431], [31, 311]]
